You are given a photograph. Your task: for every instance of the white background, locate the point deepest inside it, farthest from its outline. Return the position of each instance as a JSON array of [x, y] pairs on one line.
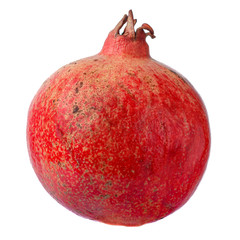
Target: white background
[[200, 39]]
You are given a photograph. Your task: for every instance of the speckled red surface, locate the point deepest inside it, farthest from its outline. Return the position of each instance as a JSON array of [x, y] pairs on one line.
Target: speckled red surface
[[118, 138]]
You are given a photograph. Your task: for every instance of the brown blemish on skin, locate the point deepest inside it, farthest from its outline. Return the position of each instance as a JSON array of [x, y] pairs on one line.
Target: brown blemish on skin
[[75, 109], [61, 164], [80, 84], [108, 183], [131, 73], [106, 196]]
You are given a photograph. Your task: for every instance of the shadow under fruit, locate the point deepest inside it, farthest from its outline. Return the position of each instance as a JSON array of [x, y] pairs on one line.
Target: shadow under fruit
[[119, 137]]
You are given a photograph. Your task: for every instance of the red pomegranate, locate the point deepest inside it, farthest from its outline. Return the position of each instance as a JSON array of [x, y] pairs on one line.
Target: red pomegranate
[[119, 137]]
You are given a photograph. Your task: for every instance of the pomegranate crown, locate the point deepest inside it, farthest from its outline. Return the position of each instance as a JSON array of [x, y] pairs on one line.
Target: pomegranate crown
[[129, 29], [129, 43]]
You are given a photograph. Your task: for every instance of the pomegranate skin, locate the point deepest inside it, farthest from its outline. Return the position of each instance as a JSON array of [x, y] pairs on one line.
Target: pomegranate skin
[[119, 137]]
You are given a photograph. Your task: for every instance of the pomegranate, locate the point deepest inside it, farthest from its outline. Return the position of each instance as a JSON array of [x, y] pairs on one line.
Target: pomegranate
[[119, 137]]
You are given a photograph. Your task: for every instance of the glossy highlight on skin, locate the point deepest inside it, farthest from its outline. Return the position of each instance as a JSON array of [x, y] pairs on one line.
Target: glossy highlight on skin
[[119, 137]]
